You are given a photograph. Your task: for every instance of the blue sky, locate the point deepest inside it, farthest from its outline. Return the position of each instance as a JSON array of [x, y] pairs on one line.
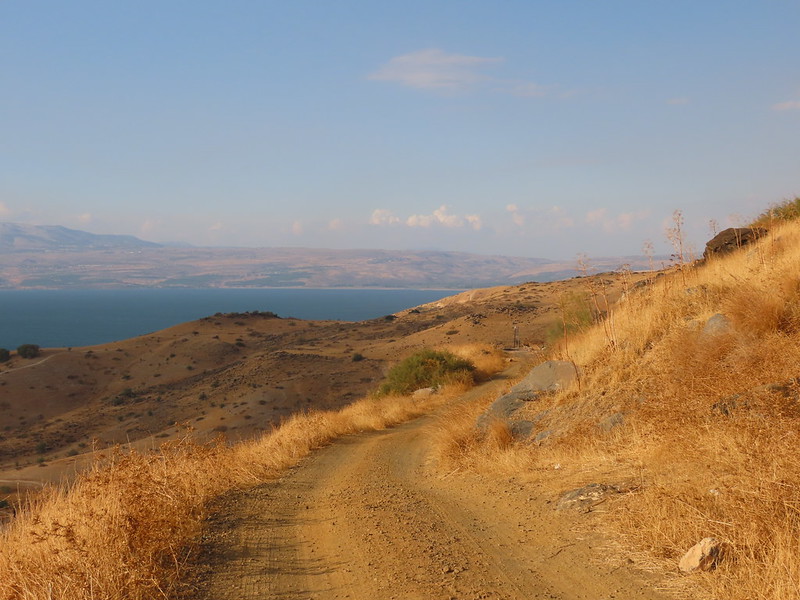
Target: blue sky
[[500, 127]]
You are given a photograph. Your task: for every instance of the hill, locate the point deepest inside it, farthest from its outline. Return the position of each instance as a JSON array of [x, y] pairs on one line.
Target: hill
[[15, 237], [56, 258], [240, 374]]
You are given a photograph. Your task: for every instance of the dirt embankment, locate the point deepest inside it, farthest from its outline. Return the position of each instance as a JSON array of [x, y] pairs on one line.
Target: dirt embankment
[[370, 517]]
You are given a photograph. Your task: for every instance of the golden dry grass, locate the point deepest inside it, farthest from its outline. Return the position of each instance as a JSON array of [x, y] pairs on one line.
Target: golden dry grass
[[713, 445], [488, 360], [128, 528]]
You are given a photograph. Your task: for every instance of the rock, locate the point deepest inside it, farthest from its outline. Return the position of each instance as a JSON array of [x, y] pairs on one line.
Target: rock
[[727, 406], [521, 429], [542, 436], [422, 393], [717, 324], [612, 421], [586, 497], [503, 408], [732, 239], [548, 377], [703, 556]]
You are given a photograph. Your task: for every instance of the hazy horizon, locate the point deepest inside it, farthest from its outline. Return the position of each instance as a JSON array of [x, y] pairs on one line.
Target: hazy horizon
[[518, 129]]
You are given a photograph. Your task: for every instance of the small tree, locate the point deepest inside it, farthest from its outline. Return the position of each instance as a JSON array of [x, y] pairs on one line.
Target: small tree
[[427, 368], [5, 355], [28, 350]]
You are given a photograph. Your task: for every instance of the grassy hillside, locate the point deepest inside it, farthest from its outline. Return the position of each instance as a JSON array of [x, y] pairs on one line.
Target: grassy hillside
[[689, 399], [129, 527]]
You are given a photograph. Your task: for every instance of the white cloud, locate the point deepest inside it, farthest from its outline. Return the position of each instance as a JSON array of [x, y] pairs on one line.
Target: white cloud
[[559, 218], [335, 224], [611, 223], [441, 216], [297, 228], [516, 215], [4, 210], [381, 216], [420, 221], [596, 216], [790, 105], [433, 68], [474, 222], [218, 226], [85, 218]]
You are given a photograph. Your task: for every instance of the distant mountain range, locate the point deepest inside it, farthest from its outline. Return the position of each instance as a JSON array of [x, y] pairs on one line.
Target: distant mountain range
[[15, 237], [56, 257]]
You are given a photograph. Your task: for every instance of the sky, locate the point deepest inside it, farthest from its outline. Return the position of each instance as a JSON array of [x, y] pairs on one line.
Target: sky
[[516, 127]]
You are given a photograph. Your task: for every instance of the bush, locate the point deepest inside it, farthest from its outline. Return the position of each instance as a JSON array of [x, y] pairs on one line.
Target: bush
[[357, 357], [427, 368], [5, 355], [28, 350], [788, 210]]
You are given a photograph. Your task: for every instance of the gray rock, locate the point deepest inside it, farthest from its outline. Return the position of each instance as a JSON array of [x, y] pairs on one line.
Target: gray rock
[[503, 408], [584, 498], [522, 429], [548, 377], [542, 436], [703, 556], [716, 325], [422, 393], [612, 421]]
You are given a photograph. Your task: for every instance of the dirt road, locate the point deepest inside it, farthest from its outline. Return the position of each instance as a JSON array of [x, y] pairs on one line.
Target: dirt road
[[368, 518]]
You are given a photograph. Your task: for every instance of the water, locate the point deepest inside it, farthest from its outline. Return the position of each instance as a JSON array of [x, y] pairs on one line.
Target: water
[[61, 318]]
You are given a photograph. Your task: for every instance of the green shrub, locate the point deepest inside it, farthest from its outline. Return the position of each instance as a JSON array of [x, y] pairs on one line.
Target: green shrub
[[5, 355], [788, 210], [28, 350], [427, 368], [357, 357]]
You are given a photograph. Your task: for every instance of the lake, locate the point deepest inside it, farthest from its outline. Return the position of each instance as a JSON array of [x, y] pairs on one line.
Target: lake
[[60, 318]]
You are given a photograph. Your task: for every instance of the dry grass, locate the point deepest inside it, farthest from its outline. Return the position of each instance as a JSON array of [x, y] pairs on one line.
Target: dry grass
[[714, 446], [488, 360], [128, 528]]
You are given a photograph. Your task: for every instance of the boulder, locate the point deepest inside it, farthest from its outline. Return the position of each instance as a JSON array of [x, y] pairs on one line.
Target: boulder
[[547, 377], [503, 408], [731, 239], [703, 556]]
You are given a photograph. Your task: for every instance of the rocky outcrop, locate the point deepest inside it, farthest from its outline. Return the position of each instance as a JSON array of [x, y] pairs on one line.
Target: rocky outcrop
[[548, 377], [731, 239], [703, 556]]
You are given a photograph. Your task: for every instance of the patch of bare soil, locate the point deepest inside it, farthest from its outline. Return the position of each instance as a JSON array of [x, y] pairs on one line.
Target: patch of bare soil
[[371, 517]]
